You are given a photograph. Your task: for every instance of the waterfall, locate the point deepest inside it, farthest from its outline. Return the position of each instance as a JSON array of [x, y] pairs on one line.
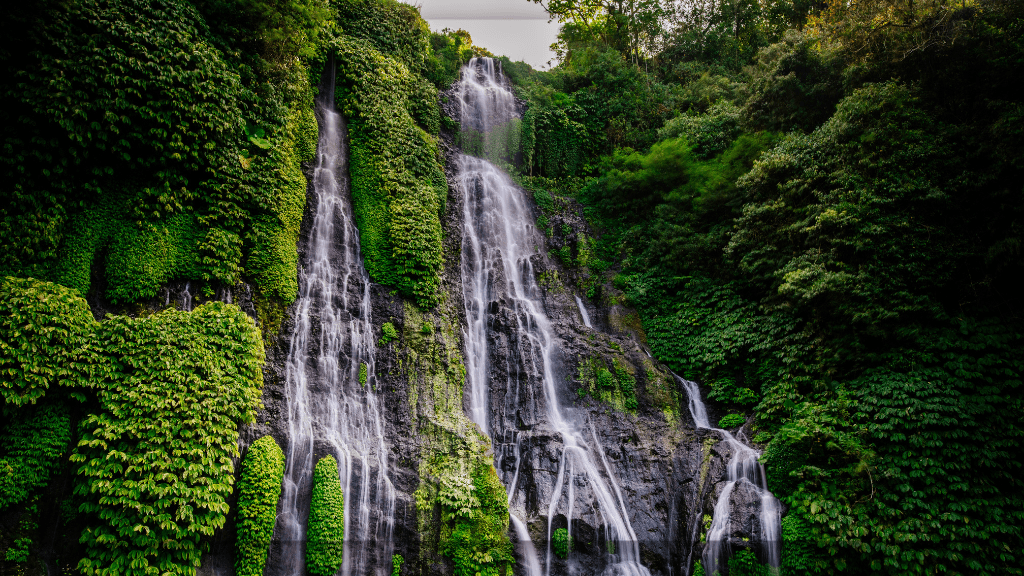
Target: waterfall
[[583, 312], [499, 242], [742, 467], [329, 410], [186, 299]]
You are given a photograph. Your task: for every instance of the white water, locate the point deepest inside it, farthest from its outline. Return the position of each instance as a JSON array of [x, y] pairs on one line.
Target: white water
[[329, 411], [583, 312], [499, 239], [526, 548], [742, 467], [186, 299]]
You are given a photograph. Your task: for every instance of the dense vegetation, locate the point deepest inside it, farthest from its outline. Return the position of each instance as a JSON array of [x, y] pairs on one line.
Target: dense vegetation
[[259, 487], [817, 210], [814, 206], [325, 530]]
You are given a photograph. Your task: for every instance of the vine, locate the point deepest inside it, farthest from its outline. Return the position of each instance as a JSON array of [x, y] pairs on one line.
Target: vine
[[259, 487]]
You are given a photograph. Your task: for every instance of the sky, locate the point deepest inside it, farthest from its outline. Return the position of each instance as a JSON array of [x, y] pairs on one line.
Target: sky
[[518, 29]]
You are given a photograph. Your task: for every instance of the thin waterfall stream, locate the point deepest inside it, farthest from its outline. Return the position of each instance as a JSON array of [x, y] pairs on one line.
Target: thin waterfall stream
[[743, 467], [329, 410], [499, 241]]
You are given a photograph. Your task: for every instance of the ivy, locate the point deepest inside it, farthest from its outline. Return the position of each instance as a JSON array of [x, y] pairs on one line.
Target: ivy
[[325, 531], [155, 462], [259, 487], [398, 185], [33, 444], [46, 341]]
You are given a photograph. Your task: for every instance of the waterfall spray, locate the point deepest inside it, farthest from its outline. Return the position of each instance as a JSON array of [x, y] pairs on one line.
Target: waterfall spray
[[329, 409]]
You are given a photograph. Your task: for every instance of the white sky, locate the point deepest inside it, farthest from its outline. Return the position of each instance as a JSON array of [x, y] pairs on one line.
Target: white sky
[[518, 29]]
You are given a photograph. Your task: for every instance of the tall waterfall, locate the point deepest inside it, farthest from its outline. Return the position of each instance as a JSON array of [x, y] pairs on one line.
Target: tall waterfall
[[742, 467], [329, 410], [499, 241]]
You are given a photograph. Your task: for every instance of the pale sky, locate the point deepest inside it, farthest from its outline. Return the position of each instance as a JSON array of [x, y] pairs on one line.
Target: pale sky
[[518, 29]]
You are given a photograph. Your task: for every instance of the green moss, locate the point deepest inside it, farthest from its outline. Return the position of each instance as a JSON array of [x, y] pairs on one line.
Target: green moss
[[617, 388], [462, 508], [259, 487], [325, 533]]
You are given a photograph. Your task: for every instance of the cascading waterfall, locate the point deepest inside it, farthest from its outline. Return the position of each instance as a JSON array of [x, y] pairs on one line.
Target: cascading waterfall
[[742, 467], [499, 239], [583, 312], [329, 409]]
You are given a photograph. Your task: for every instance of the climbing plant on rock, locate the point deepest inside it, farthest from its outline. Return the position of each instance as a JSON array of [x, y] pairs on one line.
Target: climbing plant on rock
[[155, 461], [398, 184], [325, 532], [259, 487], [45, 341]]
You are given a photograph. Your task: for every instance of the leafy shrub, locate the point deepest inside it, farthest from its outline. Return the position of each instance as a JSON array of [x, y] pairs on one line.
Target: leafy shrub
[[363, 374], [398, 185], [396, 564], [708, 133], [562, 542], [155, 462], [33, 444], [259, 487], [731, 421], [325, 532], [388, 332], [46, 334]]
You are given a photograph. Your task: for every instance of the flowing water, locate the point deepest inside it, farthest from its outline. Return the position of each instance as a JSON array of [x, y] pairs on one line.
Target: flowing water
[[329, 410], [583, 312], [499, 240], [742, 467]]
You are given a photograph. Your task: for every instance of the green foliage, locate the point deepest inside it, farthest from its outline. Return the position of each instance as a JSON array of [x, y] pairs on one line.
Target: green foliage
[[363, 374], [398, 185], [175, 155], [33, 444], [388, 333], [708, 134], [561, 542], [744, 563], [259, 487], [325, 532], [396, 564], [732, 421], [46, 334], [476, 537], [155, 461]]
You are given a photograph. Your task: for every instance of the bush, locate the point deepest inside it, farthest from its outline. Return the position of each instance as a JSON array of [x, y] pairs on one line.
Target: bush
[[259, 487], [731, 421], [33, 442], [155, 461], [562, 542], [46, 334], [325, 531]]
